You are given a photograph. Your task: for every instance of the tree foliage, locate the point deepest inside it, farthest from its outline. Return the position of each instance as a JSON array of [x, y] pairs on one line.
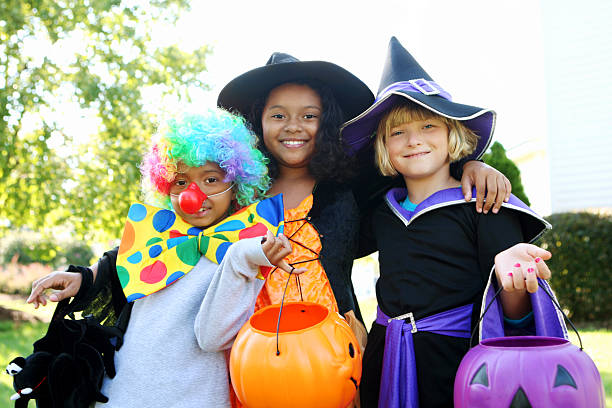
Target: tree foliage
[[498, 159], [90, 58]]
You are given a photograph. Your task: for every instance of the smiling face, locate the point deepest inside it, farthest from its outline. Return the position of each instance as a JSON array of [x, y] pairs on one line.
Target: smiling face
[[210, 180], [290, 122], [419, 149]]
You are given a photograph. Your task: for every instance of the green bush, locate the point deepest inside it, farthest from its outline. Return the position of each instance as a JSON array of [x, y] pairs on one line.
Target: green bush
[[581, 245], [496, 157], [26, 247], [77, 253]]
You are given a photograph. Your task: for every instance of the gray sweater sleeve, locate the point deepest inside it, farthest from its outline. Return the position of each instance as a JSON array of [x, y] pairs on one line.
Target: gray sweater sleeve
[[230, 298]]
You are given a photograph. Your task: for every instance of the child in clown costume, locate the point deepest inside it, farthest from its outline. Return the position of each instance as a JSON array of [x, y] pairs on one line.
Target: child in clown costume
[[186, 276], [437, 254]]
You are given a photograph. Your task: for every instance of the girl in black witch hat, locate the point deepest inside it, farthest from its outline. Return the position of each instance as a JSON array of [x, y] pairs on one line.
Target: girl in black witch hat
[[436, 251], [296, 109]]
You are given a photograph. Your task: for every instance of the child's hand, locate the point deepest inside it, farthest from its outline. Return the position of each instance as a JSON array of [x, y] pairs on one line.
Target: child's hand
[[486, 179], [277, 248], [517, 267], [68, 284]]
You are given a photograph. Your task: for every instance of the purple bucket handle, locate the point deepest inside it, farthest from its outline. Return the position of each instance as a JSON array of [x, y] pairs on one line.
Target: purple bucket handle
[[535, 305]]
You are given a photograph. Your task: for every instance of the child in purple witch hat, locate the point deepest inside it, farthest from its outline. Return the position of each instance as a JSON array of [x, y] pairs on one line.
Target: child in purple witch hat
[[437, 254]]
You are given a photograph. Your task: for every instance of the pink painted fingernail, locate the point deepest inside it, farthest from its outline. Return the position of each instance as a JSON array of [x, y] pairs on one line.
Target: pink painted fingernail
[[517, 265], [538, 259], [530, 270], [509, 273]]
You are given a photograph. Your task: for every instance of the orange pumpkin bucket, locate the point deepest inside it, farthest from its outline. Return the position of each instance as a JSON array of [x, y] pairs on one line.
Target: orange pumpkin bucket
[[307, 358]]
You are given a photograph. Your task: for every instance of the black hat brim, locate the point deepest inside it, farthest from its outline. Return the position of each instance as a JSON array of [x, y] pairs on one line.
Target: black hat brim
[[350, 92]]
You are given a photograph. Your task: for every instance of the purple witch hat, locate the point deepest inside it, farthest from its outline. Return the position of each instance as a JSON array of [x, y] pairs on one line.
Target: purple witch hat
[[403, 77]]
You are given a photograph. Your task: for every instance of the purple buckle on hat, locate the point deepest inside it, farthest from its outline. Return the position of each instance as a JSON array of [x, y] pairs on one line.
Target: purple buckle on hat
[[420, 85]]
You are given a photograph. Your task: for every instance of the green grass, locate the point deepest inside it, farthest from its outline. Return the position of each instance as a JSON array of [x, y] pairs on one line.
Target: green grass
[[15, 340], [18, 302]]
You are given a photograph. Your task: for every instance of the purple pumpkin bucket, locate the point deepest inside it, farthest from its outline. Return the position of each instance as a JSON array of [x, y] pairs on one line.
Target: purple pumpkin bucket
[[529, 371]]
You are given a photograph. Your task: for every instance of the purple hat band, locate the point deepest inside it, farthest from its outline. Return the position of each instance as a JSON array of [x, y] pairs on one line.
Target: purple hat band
[[421, 85]]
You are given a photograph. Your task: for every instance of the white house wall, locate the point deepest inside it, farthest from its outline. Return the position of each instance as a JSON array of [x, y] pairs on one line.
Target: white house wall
[[578, 66]]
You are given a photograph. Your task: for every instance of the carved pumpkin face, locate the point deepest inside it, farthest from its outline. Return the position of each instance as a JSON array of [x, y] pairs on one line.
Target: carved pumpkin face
[[527, 372], [319, 364]]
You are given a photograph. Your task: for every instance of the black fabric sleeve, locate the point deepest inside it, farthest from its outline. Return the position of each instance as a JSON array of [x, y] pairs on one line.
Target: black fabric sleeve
[[366, 240], [83, 297], [456, 168], [105, 299], [496, 233]]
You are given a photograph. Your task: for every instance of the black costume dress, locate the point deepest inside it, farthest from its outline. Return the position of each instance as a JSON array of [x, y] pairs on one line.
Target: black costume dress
[[436, 259]]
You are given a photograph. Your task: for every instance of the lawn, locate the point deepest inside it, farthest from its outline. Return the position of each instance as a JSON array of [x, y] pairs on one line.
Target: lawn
[[16, 339]]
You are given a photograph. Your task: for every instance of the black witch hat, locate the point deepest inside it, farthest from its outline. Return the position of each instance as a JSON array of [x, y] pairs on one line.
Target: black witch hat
[[350, 92]]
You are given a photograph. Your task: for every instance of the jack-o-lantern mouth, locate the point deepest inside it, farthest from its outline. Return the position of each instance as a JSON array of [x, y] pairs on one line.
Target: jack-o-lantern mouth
[[520, 400], [354, 381]]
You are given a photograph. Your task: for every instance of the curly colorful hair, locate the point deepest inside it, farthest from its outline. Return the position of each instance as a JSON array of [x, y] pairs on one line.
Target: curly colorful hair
[[215, 136]]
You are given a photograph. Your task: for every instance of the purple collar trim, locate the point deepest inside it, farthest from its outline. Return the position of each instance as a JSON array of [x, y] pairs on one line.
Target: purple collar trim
[[441, 198], [415, 85]]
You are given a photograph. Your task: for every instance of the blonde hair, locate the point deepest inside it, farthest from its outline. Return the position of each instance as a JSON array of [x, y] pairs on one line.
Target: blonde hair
[[461, 140]]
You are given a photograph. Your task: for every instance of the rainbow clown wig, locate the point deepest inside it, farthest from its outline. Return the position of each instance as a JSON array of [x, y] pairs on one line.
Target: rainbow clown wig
[[216, 136]]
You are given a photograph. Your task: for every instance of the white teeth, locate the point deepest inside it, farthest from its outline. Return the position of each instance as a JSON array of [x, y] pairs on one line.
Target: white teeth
[[293, 142]]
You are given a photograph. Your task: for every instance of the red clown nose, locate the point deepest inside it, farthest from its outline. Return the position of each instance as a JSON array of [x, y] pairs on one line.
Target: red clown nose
[[191, 199]]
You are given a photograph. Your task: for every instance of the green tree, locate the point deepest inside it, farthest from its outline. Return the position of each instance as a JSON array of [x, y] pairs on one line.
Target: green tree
[[96, 57], [497, 158]]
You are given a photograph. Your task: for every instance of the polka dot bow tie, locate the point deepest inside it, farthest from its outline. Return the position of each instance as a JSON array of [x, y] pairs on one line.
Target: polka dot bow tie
[[157, 247]]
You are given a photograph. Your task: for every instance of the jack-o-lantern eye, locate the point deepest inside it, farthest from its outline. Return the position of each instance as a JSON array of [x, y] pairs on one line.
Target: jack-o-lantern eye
[[351, 350], [563, 377], [481, 376]]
